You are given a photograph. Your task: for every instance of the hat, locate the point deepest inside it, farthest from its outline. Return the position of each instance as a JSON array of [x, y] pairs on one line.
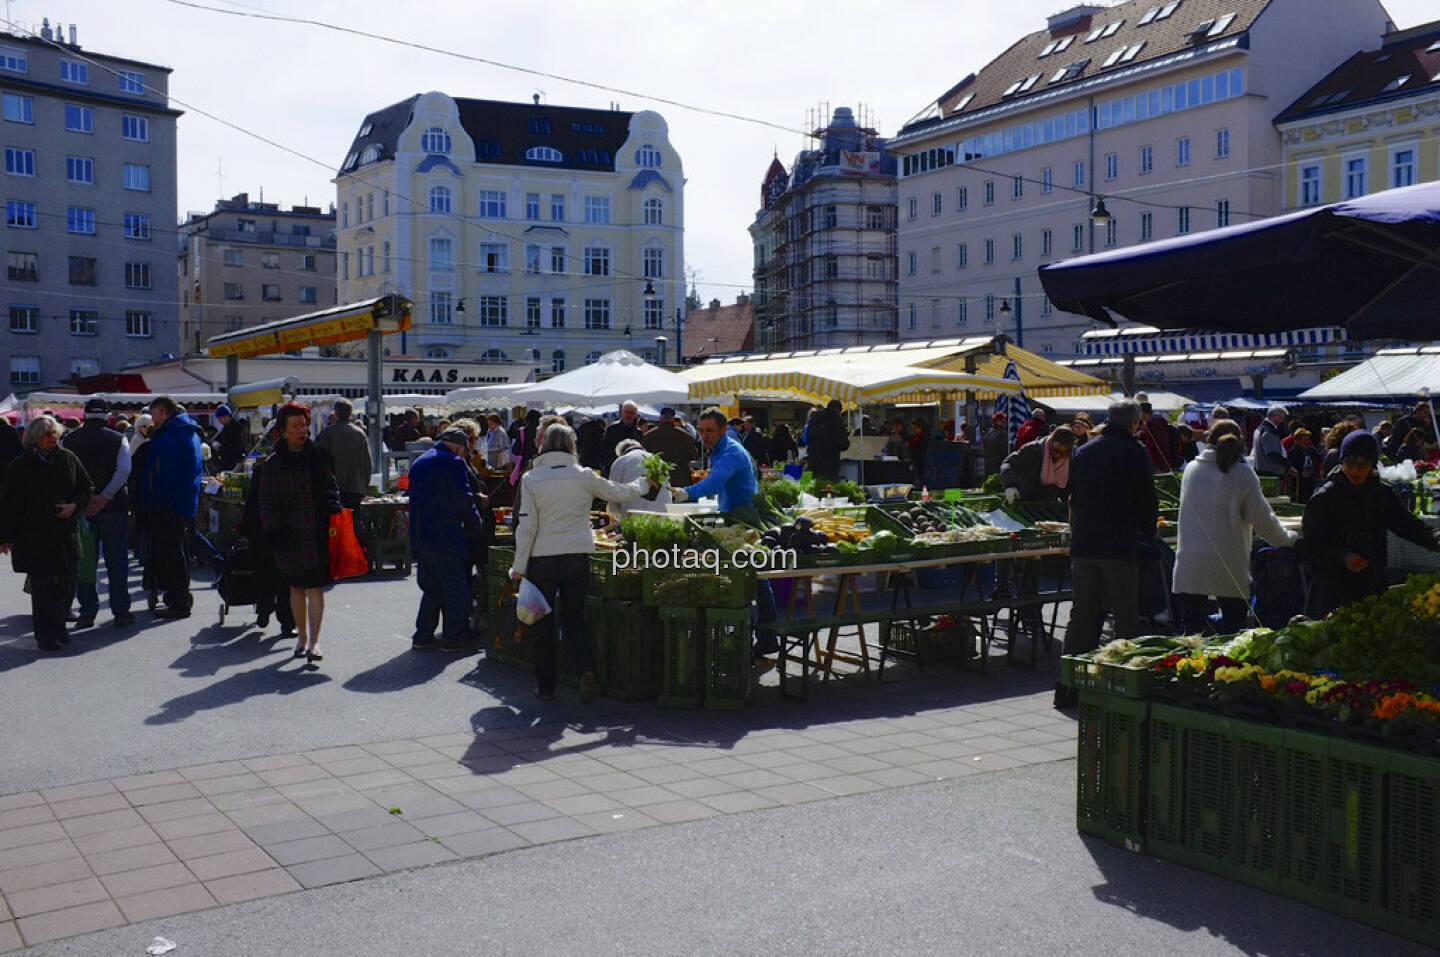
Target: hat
[[97, 407], [223, 410], [1360, 443], [456, 436], [998, 417]]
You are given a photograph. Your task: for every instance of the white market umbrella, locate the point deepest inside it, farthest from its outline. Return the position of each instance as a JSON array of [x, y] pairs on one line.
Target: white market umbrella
[[614, 378]]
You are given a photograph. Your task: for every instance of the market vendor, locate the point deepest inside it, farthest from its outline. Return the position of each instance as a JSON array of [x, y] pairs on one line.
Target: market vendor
[[1343, 532], [628, 466], [1040, 470]]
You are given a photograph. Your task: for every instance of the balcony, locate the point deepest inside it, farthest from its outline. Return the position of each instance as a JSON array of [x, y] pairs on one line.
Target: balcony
[[219, 235]]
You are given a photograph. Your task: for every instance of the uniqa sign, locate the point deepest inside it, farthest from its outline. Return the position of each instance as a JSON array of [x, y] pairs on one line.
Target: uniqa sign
[[439, 375]]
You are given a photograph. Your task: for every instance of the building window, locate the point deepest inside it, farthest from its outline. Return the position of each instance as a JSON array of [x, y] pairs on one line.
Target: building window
[[1222, 144], [875, 267], [1112, 166], [23, 267], [21, 215], [910, 205], [655, 263], [557, 313], [307, 260], [1017, 247], [494, 311], [437, 352], [989, 252], [936, 206], [597, 209], [962, 256], [962, 312], [439, 199], [131, 82], [344, 265], [1047, 309], [234, 290], [442, 254], [435, 140], [233, 322], [1182, 151], [912, 265], [1017, 187], [18, 109], [245, 226], [137, 176], [84, 322], [1402, 168], [597, 261], [270, 292], [532, 312], [1047, 180], [232, 257], [137, 324], [540, 125], [874, 217], [1112, 232], [557, 207], [989, 192], [592, 357], [385, 202], [654, 314], [494, 355], [532, 259], [344, 215], [1147, 159], [1147, 227], [1182, 220], [441, 308], [19, 162], [597, 313], [83, 271], [137, 226], [647, 157], [134, 128], [989, 308], [384, 252], [492, 204], [557, 361], [1222, 212], [269, 260], [306, 294], [910, 322], [137, 275], [557, 260], [532, 205], [14, 60], [1355, 177], [24, 370], [1047, 242], [25, 319], [1077, 243], [73, 71], [1077, 173], [494, 257]]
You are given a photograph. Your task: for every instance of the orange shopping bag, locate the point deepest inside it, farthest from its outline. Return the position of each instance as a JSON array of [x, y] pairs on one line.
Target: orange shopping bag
[[347, 558]]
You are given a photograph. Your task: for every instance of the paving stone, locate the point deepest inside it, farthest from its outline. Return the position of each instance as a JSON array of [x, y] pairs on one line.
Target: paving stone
[[337, 803], [674, 812], [718, 766], [610, 822], [555, 829], [805, 771], [146, 879], [266, 814], [410, 759], [544, 790], [458, 738], [174, 810], [819, 752], [9, 802], [754, 778], [208, 845], [249, 798], [245, 887], [735, 801], [490, 763], [94, 804], [32, 876], [943, 768], [323, 756], [33, 834], [293, 775], [278, 832], [383, 748], [41, 853], [164, 794], [455, 823], [130, 858], [371, 780], [439, 771], [402, 856], [525, 812], [71, 792], [667, 773], [461, 784], [641, 796], [70, 922], [165, 903], [862, 746], [372, 815], [896, 777], [493, 796], [846, 784], [700, 787], [215, 769], [137, 782], [627, 760], [308, 849], [275, 762], [792, 792], [345, 767], [490, 840], [230, 783], [334, 870], [193, 826], [855, 763], [583, 804], [31, 814], [1030, 754], [230, 863], [9, 937], [386, 835], [419, 807], [524, 774], [38, 900], [998, 762]]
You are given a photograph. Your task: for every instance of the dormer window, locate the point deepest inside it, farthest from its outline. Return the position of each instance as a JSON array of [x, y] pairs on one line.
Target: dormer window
[[544, 154], [1131, 52], [435, 140], [371, 154], [365, 130], [1396, 83], [1112, 29]]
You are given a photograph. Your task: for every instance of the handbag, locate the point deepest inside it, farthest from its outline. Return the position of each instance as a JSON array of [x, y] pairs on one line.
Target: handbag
[[347, 558]]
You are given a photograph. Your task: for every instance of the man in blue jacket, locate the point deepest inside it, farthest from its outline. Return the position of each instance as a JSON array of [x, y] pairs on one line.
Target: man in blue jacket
[[170, 495], [445, 528]]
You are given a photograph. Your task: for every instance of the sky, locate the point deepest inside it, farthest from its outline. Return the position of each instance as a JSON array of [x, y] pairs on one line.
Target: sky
[[784, 65]]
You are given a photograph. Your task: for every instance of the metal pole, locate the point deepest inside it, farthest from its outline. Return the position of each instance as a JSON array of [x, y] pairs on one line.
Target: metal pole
[[1127, 374], [232, 372], [375, 405], [679, 336], [1019, 316]]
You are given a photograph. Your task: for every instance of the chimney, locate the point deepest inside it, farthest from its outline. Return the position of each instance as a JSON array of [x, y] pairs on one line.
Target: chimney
[[536, 98], [714, 304], [74, 36], [45, 29]]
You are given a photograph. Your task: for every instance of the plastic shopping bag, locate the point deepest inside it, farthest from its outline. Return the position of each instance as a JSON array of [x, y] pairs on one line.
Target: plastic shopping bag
[[347, 558], [530, 604]]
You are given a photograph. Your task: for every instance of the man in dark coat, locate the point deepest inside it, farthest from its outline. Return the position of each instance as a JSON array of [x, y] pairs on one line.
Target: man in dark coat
[[1024, 469], [406, 430], [349, 448], [626, 428], [1112, 512], [996, 444], [1417, 421], [106, 457], [757, 443], [170, 495], [825, 439], [229, 443], [1343, 532], [41, 498], [445, 530], [589, 441], [10, 446], [673, 444]]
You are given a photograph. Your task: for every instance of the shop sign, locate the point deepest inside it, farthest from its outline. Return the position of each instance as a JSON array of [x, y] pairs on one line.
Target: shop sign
[[440, 375]]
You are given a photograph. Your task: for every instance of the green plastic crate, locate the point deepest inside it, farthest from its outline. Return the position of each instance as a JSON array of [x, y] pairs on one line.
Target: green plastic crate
[[682, 682], [1302, 817], [633, 662], [1412, 836], [1082, 674], [1354, 808], [739, 595], [728, 675], [1110, 773]]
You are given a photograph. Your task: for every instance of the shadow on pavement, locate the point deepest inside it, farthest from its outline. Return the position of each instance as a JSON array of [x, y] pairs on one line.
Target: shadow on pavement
[[407, 669], [274, 678], [221, 646]]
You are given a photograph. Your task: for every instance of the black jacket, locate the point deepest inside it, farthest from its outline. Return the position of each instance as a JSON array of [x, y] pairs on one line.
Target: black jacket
[[825, 439], [614, 435], [1112, 498], [757, 443], [11, 448], [230, 445], [98, 447], [1343, 518], [1402, 431], [42, 542], [1021, 470], [996, 444]]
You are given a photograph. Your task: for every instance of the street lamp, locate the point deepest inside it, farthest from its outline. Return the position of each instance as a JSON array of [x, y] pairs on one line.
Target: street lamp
[[1099, 215], [1005, 308], [660, 342], [649, 290]]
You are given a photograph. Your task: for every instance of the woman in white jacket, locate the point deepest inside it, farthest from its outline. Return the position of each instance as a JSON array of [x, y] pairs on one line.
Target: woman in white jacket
[[553, 542], [1221, 506]]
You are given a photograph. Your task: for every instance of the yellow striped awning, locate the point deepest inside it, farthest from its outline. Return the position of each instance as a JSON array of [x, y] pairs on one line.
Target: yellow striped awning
[[388, 314], [854, 383], [1041, 377]]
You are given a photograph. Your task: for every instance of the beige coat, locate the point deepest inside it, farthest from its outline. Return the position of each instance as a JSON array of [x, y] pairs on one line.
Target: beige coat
[[555, 498]]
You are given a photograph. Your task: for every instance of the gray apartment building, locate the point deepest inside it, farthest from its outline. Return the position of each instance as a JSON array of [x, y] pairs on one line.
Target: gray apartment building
[[246, 263], [89, 183]]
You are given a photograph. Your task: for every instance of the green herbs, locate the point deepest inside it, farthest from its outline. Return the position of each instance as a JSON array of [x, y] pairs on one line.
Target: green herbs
[[653, 532], [853, 491], [782, 493], [657, 469], [697, 590]]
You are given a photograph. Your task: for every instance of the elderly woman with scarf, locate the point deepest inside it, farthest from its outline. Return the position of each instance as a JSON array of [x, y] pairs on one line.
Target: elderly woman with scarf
[[297, 496], [1040, 471]]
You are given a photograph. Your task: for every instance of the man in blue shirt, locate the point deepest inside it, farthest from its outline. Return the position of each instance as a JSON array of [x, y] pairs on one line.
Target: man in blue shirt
[[732, 481]]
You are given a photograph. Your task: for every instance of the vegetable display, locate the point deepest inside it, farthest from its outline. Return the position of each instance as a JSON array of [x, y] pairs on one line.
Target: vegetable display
[[696, 589], [653, 532], [657, 469], [782, 493]]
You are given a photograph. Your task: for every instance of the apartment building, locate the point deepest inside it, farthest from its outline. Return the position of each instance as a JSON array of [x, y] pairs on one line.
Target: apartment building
[[246, 263], [1113, 125], [1373, 123], [524, 232], [824, 242], [89, 143]]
